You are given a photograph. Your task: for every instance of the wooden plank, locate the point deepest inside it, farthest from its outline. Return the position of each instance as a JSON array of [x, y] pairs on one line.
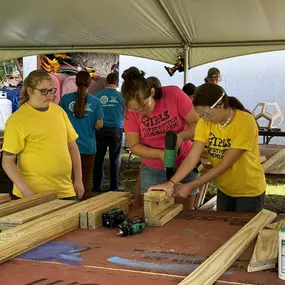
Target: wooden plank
[[276, 226], [262, 158], [275, 164], [227, 254], [25, 237], [27, 215], [26, 203], [200, 197], [210, 205], [151, 209], [155, 196], [4, 198], [95, 216], [100, 200], [265, 251], [165, 216]]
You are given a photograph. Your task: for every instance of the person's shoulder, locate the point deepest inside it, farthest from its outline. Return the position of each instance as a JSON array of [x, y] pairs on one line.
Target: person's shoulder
[[245, 119], [19, 115], [68, 96], [93, 98], [171, 88]]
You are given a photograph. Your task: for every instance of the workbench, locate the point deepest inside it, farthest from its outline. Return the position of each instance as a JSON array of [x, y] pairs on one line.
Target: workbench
[[158, 256]]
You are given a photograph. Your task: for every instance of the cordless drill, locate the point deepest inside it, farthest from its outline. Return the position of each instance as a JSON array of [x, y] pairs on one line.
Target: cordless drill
[[129, 227], [170, 153]]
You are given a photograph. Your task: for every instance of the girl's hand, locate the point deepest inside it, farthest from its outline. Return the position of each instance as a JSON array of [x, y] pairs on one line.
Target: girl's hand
[[183, 190], [167, 187]]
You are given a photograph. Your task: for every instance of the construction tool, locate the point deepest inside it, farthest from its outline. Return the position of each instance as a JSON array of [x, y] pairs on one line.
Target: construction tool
[[170, 153], [129, 227], [113, 218]]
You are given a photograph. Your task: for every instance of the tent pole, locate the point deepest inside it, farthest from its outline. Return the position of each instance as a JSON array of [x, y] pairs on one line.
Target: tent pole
[[186, 62]]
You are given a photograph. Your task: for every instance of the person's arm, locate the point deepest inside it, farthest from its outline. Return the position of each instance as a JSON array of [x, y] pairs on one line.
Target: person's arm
[[99, 124], [76, 166], [11, 169], [139, 149], [191, 119], [231, 156]]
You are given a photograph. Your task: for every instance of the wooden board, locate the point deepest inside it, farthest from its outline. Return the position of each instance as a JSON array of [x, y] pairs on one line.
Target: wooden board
[[99, 201], [275, 164], [95, 216], [27, 215], [4, 198], [227, 254], [26, 203], [265, 251], [151, 209], [155, 196], [200, 197], [276, 226], [34, 233], [210, 205], [262, 158], [165, 216]]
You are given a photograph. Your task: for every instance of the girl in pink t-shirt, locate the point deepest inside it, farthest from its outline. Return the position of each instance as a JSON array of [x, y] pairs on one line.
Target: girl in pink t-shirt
[[150, 114]]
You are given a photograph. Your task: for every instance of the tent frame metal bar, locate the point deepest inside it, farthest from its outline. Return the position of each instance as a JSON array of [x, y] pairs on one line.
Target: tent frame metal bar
[[179, 31]]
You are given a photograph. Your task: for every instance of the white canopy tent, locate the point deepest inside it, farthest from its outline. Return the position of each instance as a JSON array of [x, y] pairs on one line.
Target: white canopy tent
[[207, 30]]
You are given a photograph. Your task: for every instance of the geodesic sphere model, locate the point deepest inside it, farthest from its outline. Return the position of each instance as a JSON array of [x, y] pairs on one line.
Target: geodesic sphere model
[[268, 115]]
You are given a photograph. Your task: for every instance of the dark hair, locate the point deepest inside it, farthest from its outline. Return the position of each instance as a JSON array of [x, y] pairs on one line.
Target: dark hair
[[83, 80], [154, 82], [190, 89], [112, 78], [136, 86], [208, 93]]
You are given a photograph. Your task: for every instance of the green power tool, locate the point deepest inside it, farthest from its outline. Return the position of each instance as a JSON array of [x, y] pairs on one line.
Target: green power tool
[[129, 227], [170, 153]]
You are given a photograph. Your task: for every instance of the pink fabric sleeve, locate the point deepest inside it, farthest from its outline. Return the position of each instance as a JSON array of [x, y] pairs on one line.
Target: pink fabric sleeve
[[184, 103], [131, 122]]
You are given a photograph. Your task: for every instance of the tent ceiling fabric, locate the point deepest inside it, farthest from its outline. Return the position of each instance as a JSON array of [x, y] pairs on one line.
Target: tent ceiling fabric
[[146, 28]]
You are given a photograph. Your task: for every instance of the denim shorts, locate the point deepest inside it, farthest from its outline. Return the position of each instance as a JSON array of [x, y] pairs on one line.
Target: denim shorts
[[152, 176]]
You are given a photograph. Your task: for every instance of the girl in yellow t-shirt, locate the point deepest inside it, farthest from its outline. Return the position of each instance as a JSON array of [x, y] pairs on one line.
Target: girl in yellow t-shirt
[[43, 140], [230, 134]]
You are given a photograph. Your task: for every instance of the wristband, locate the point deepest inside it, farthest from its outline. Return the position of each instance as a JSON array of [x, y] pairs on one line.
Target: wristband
[[172, 182]]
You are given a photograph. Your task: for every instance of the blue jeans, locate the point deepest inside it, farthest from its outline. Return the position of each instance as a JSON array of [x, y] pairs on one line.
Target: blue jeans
[[151, 176]]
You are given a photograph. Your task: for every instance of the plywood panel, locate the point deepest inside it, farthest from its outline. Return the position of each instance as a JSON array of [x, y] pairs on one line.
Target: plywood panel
[[275, 164], [226, 255]]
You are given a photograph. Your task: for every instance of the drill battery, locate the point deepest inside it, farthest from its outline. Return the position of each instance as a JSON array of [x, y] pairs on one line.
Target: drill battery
[[113, 218]]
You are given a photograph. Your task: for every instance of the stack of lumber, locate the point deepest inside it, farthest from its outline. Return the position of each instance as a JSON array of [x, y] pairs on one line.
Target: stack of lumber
[[275, 164], [210, 205], [158, 210], [91, 215], [36, 231], [209, 271], [4, 198]]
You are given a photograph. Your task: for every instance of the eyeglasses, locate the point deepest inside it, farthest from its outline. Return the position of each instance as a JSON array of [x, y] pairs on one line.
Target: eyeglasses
[[46, 91], [146, 104]]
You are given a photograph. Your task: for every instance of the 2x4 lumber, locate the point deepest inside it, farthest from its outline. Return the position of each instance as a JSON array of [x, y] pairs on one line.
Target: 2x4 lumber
[[277, 225], [210, 205], [95, 216], [99, 201], [151, 209], [265, 251], [4, 198], [30, 214], [25, 237], [201, 195], [155, 196], [26, 203], [275, 164], [164, 217], [210, 270]]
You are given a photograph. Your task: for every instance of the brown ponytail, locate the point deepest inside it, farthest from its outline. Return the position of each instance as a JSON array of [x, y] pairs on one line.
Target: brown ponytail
[[83, 80], [32, 81]]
